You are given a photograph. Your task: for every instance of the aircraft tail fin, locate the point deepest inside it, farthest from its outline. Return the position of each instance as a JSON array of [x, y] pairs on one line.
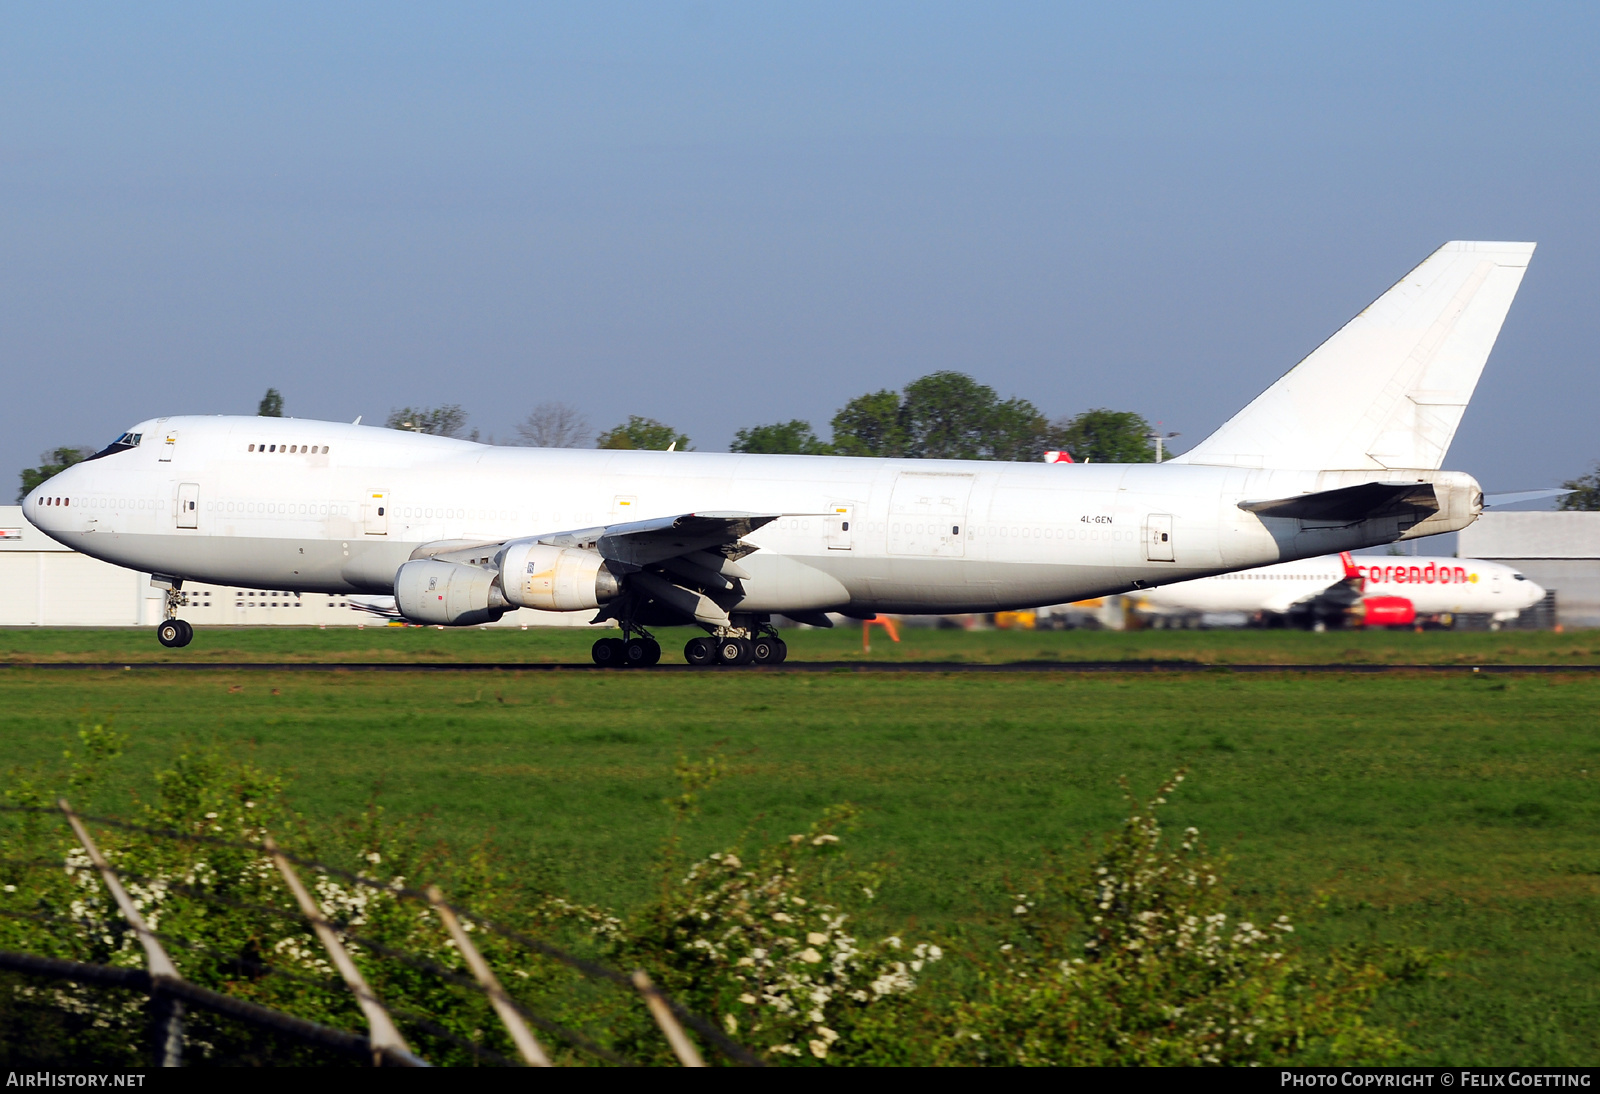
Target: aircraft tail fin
[[1389, 388]]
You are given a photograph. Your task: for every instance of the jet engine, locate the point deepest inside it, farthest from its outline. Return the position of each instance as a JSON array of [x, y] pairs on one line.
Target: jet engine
[[1388, 611], [555, 579], [430, 591]]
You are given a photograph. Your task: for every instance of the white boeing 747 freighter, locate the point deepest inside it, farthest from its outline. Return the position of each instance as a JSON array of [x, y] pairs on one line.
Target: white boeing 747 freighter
[[1343, 451]]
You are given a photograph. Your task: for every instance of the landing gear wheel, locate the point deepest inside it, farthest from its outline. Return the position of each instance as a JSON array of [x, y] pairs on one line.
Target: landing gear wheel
[[734, 651], [641, 652], [700, 651], [768, 651], [608, 653], [174, 633]]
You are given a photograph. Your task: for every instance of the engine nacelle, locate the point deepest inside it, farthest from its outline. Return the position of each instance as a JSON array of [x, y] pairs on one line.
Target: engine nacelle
[[430, 591], [555, 579], [1389, 611]]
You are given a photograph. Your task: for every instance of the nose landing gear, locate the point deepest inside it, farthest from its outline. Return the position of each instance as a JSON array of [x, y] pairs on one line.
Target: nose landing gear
[[173, 632]]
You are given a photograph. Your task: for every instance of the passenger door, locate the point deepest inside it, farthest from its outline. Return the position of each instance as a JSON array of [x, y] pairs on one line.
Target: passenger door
[[840, 517], [376, 513], [1158, 537], [189, 505]]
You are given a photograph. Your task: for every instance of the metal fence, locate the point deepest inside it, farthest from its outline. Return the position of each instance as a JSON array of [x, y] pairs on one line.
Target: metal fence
[[170, 995]]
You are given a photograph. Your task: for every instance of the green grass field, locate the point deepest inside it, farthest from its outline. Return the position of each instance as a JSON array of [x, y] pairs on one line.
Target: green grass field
[[415, 644], [1458, 813]]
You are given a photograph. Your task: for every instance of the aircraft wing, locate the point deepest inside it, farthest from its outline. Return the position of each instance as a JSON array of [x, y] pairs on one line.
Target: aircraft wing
[[1351, 504], [642, 543], [686, 564]]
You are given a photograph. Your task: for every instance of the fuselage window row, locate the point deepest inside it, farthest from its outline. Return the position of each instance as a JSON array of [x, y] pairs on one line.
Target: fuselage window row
[[291, 449]]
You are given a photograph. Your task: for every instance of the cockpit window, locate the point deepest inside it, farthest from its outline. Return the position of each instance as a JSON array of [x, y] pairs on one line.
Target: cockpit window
[[1519, 577], [121, 444]]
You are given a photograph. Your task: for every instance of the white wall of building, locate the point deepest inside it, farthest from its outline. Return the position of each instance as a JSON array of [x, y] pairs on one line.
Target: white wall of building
[[43, 584], [1560, 551]]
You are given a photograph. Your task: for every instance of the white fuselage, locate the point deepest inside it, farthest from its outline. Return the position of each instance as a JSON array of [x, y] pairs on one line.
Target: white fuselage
[[1432, 585], [319, 506]]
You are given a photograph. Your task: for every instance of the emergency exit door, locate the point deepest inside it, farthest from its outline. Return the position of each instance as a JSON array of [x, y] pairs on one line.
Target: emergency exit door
[[1158, 537]]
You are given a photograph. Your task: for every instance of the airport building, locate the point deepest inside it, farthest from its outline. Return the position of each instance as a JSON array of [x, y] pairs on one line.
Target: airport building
[[43, 584], [1561, 551]]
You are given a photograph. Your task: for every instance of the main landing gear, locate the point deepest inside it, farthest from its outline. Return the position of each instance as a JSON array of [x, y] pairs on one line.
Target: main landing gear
[[732, 649], [639, 651], [756, 644], [174, 632]]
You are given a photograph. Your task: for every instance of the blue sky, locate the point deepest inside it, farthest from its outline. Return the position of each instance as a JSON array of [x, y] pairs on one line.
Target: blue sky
[[722, 215]]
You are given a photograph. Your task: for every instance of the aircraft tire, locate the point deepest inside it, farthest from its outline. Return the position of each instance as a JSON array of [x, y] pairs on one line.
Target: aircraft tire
[[783, 651], [765, 651], [174, 633], [608, 653], [641, 652], [734, 651], [700, 651]]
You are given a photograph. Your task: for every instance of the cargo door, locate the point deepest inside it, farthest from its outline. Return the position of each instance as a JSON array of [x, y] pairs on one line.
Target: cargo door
[[841, 515], [928, 514], [376, 512], [189, 505], [1158, 537]]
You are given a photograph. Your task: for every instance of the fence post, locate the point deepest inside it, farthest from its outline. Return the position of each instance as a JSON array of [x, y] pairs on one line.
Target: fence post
[[166, 1012], [385, 1038], [688, 1055], [520, 1033]]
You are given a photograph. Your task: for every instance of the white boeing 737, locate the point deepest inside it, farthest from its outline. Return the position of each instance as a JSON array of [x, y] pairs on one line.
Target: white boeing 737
[[1338, 589], [1342, 452]]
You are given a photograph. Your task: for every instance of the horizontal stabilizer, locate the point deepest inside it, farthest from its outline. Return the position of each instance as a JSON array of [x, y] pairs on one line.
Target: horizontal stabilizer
[[1389, 388], [1351, 504], [1520, 496]]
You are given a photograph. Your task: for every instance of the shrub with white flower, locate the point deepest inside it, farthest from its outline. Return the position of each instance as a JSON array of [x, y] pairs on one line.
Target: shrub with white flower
[[756, 943], [1141, 962]]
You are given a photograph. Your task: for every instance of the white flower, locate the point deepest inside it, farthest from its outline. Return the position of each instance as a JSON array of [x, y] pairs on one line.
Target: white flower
[[817, 939], [747, 998], [782, 917], [745, 961], [810, 956], [1020, 909], [731, 1023], [827, 1034], [374, 858], [819, 1049]]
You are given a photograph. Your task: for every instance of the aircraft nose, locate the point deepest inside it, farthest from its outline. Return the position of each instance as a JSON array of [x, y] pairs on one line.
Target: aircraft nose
[[51, 502], [1535, 593]]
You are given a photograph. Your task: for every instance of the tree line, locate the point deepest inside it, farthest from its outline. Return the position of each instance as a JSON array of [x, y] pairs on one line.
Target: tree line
[[944, 415]]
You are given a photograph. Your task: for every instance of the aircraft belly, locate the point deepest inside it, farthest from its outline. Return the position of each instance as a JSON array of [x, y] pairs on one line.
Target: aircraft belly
[[943, 586], [301, 565]]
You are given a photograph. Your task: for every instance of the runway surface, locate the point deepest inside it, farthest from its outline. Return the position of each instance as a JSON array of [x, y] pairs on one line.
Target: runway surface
[[900, 668]]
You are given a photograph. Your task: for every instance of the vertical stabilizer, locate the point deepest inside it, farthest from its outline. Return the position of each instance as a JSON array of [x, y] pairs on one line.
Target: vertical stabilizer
[[1388, 390]]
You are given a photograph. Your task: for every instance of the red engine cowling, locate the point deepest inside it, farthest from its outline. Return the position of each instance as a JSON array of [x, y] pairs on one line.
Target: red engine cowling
[[1388, 611]]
